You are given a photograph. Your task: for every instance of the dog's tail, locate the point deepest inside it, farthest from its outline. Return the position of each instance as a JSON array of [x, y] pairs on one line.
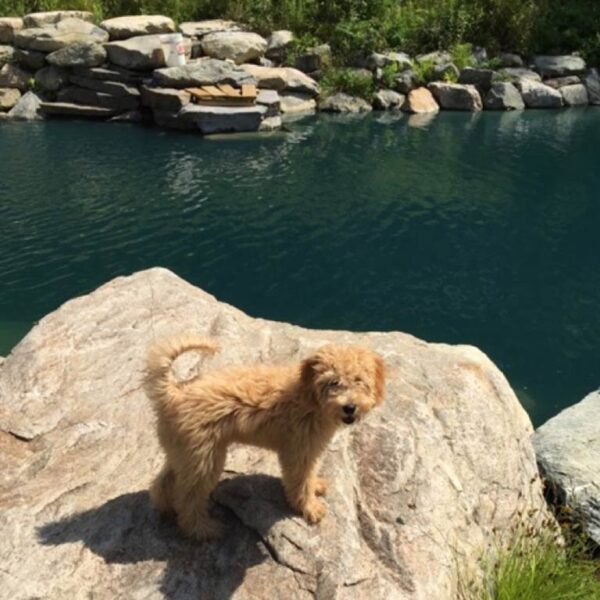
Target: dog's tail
[[159, 382]]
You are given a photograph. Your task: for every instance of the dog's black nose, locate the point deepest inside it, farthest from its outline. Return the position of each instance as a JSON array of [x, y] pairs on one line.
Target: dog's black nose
[[349, 409]]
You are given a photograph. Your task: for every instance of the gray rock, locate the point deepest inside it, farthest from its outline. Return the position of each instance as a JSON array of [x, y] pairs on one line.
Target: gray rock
[[43, 19], [402, 60], [238, 46], [456, 96], [79, 54], [406, 81], [110, 73], [8, 27], [314, 59], [271, 100], [575, 95], [409, 486], [55, 37], [503, 95], [115, 88], [270, 124], [591, 81], [300, 83], [67, 109], [123, 28], [538, 95], [277, 44], [6, 54], [343, 103], [12, 76], [567, 449], [8, 98], [164, 99], [141, 53], [205, 71], [481, 78], [559, 66], [30, 59], [198, 29], [51, 78], [224, 119], [515, 74], [437, 58], [479, 54], [560, 82], [292, 103], [511, 60], [271, 78], [28, 108], [131, 116], [445, 70], [86, 97], [387, 100]]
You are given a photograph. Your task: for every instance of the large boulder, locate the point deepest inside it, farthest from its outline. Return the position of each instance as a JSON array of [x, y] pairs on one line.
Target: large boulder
[[198, 29], [344, 103], [294, 103], [223, 119], [84, 96], [55, 37], [12, 76], [165, 99], [115, 88], [575, 95], [8, 27], [30, 59], [560, 82], [388, 100], [503, 95], [456, 96], [141, 53], [426, 484], [6, 54], [238, 46], [567, 449], [79, 54], [8, 98], [558, 66], [51, 78], [516, 74], [420, 101], [277, 44], [123, 28], [43, 19], [317, 58], [481, 78], [538, 95], [205, 71], [28, 108], [592, 84], [511, 60]]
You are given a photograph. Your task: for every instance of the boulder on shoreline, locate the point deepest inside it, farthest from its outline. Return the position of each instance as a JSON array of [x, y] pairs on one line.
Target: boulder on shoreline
[[123, 28], [420, 101], [503, 95], [538, 95], [438, 472], [344, 103], [567, 448], [205, 71], [456, 96], [575, 95]]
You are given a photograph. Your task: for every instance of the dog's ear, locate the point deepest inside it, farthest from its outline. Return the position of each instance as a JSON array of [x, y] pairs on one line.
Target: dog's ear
[[308, 370], [380, 373]]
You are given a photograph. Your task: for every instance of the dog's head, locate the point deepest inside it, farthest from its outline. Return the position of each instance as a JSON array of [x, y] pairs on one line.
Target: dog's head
[[346, 381]]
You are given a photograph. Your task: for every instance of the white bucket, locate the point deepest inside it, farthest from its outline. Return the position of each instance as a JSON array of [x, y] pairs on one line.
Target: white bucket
[[173, 49]]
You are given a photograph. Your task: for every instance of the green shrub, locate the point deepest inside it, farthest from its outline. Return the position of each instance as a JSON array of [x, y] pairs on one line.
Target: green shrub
[[354, 40], [424, 71], [348, 81], [388, 75], [462, 55]]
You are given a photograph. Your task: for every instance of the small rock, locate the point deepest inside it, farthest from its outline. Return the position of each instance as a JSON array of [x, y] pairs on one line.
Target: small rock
[[575, 95], [538, 95], [511, 60], [8, 27], [6, 54], [446, 71], [591, 81], [205, 71], [388, 99], [437, 58], [198, 29], [481, 78], [79, 54], [28, 108], [294, 103], [238, 46], [12, 76], [131, 116], [270, 124], [479, 54], [30, 59], [344, 103], [43, 19], [277, 44], [406, 81], [299, 82], [503, 95], [314, 59], [271, 100], [560, 82], [419, 101], [456, 96], [558, 66], [9, 98], [165, 99], [123, 28], [51, 78], [400, 59]]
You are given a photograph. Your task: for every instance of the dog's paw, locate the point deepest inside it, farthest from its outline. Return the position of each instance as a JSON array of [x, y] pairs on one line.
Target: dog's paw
[[314, 511], [321, 486]]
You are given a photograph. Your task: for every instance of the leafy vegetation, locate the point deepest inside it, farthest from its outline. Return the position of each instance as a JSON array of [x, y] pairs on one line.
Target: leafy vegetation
[[350, 81], [354, 27]]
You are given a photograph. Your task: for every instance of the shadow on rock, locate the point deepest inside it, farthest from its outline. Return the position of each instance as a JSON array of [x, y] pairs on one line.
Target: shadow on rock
[[128, 530]]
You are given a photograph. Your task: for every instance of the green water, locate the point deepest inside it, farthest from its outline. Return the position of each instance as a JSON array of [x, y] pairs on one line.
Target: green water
[[474, 229]]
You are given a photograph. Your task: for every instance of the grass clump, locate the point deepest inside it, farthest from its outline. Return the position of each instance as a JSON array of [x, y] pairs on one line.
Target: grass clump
[[349, 81], [424, 71]]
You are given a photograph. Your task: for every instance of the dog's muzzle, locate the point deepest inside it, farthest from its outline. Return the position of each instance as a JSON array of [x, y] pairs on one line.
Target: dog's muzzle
[[349, 413]]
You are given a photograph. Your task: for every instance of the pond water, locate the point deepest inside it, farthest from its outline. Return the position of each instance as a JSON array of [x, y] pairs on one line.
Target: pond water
[[477, 229]]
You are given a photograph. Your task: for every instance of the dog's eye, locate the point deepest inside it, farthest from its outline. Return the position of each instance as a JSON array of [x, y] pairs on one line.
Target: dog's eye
[[333, 384]]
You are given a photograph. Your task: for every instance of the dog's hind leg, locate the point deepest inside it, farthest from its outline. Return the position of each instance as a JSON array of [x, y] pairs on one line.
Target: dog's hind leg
[[161, 490], [193, 490]]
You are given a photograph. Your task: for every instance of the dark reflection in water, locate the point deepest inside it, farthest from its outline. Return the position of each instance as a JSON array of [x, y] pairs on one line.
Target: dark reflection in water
[[478, 229]]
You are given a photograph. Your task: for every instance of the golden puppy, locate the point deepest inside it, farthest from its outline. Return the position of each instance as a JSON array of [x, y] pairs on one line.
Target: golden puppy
[[292, 409]]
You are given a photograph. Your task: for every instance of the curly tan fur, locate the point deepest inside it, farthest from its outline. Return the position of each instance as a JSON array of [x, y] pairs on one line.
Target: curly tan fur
[[291, 409]]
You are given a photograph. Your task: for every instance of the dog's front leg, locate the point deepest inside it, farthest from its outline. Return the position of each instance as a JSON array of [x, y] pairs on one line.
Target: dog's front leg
[[301, 485]]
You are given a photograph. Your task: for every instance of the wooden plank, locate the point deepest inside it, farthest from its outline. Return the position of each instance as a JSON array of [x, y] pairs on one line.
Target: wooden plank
[[229, 90], [213, 90], [248, 90], [225, 101], [198, 92]]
